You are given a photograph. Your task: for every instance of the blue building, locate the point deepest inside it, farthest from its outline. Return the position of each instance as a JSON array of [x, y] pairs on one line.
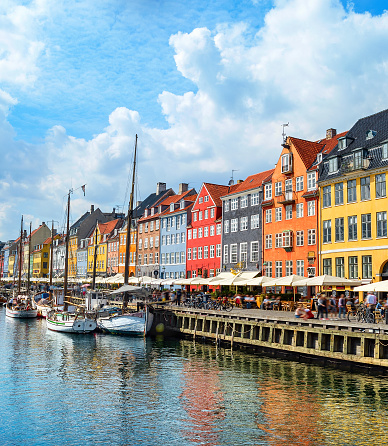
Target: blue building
[[173, 223]]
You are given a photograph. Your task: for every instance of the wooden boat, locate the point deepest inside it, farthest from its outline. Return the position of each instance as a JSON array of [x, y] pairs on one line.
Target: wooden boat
[[126, 322], [67, 322], [21, 306]]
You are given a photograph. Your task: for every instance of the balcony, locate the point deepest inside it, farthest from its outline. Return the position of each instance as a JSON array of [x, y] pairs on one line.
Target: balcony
[[350, 166], [287, 197]]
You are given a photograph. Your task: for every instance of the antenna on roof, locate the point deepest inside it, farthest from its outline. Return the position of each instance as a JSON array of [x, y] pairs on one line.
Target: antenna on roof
[[231, 181], [284, 133]]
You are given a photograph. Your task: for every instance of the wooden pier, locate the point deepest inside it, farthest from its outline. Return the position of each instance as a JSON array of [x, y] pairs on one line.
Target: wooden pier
[[280, 334]]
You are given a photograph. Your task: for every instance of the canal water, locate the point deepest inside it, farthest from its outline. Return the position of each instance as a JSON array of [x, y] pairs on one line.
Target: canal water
[[58, 389]]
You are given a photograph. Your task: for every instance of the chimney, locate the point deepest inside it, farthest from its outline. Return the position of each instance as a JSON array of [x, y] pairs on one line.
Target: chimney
[[114, 211], [183, 187], [92, 208], [330, 133], [239, 181], [160, 187]]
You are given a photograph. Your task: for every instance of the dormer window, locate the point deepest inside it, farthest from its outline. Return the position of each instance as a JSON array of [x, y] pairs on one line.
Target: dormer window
[[160, 209], [182, 205], [333, 165], [384, 151], [172, 207], [319, 158], [370, 134], [146, 213], [152, 211]]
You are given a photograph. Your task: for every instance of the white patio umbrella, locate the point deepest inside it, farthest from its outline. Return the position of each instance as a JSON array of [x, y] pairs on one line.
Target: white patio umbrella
[[200, 281], [258, 281], [284, 281], [326, 280], [146, 280], [375, 286], [184, 281], [218, 280]]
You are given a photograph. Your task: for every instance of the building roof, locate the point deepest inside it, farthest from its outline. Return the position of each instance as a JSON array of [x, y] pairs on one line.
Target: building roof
[[217, 191], [307, 150], [251, 182]]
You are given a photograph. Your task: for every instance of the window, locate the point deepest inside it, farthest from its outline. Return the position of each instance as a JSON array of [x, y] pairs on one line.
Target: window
[[200, 200], [278, 240], [366, 267], [205, 252], [226, 206], [311, 239], [352, 227], [234, 225], [327, 267], [151, 242], [286, 163], [287, 239], [311, 208], [268, 215], [299, 210], [206, 216], [380, 186], [353, 267], [278, 188], [218, 231], [151, 259], [200, 215], [311, 181], [299, 238], [300, 267], [178, 238], [194, 253], [289, 212], [194, 233], [157, 225], [381, 220], [289, 267], [339, 193], [145, 259], [244, 201], [340, 267], [200, 232], [278, 268], [206, 231], [206, 198], [168, 240], [226, 227], [189, 234], [268, 192], [211, 251], [195, 216], [211, 231], [352, 191], [212, 212], [384, 151], [333, 165], [200, 252], [357, 159], [326, 196], [255, 199], [278, 214], [226, 254], [366, 226], [255, 251], [243, 223], [268, 241], [182, 237], [268, 269], [288, 185], [244, 253], [365, 188], [233, 204], [233, 253], [327, 231], [218, 250], [299, 184], [339, 229], [255, 221]]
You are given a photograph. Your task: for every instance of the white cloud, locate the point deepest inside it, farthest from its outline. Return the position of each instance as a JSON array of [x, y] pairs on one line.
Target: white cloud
[[313, 64]]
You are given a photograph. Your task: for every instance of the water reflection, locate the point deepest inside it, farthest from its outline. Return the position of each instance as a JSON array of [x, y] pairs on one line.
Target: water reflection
[[99, 389]]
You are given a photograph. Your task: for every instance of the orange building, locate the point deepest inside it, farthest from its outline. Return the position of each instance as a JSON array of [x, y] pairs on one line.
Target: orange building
[[132, 250], [290, 209]]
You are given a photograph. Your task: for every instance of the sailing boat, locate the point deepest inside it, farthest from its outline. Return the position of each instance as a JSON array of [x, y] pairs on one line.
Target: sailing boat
[[69, 321], [124, 322], [21, 305]]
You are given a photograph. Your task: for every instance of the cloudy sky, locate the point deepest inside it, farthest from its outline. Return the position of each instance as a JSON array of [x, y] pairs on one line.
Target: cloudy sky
[[205, 85]]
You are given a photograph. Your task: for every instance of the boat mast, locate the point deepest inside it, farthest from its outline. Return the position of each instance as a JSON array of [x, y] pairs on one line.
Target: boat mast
[[66, 252], [95, 259], [20, 258], [51, 254], [28, 261], [129, 221]]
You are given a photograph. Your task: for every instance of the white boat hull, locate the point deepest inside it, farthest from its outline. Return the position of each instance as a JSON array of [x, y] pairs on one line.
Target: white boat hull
[[129, 324], [22, 314], [66, 323]]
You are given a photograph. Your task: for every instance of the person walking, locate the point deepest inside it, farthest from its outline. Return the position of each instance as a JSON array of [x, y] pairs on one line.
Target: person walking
[[322, 307], [178, 296], [342, 306]]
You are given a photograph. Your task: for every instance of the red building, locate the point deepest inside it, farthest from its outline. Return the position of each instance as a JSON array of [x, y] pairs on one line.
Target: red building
[[203, 246], [290, 209]]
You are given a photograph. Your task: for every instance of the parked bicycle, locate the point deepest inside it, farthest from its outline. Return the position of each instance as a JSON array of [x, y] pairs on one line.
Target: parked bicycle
[[361, 314]]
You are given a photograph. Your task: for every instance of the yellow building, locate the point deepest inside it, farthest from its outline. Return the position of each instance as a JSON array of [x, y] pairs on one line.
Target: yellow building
[[73, 246], [353, 203]]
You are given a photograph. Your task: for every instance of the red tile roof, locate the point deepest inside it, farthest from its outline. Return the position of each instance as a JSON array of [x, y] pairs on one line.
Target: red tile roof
[[307, 150], [332, 142], [252, 181], [217, 191]]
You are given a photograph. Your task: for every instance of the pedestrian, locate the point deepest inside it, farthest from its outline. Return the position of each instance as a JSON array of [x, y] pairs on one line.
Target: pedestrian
[[342, 306], [333, 306], [178, 296], [322, 307]]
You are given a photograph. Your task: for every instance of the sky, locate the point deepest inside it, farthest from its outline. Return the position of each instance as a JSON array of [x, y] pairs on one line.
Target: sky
[[206, 85]]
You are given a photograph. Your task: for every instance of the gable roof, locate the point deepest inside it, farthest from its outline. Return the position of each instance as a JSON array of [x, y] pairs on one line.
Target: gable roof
[[217, 191], [307, 150], [251, 182]]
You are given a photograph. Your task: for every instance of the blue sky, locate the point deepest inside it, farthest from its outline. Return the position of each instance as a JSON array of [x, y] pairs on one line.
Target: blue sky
[[199, 82]]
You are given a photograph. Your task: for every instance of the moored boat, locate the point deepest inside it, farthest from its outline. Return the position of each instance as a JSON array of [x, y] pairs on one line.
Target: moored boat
[[66, 322], [21, 307]]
